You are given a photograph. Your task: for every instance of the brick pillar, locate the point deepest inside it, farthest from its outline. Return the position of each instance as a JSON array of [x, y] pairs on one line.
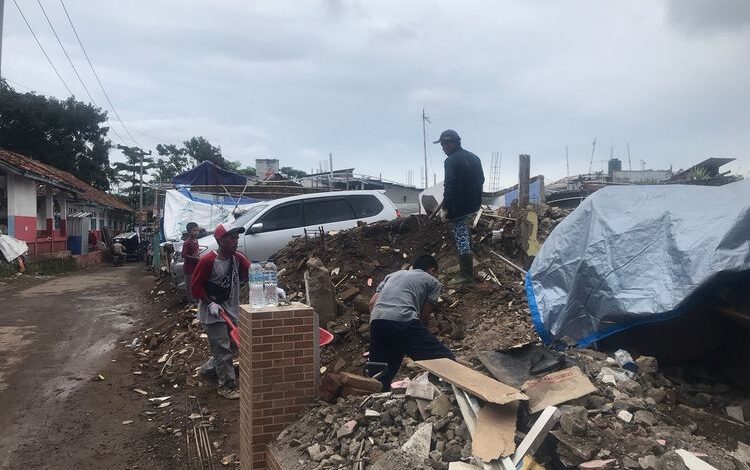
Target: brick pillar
[[280, 364]]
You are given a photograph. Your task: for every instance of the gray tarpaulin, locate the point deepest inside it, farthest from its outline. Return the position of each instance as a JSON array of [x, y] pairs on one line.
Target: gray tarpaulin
[[630, 255]]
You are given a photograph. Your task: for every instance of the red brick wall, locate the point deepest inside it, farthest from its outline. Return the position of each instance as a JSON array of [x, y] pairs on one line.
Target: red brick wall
[[279, 348], [271, 461]]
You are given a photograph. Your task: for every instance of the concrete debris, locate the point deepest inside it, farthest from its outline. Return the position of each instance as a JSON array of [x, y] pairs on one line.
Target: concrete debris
[[419, 443], [574, 420], [346, 429], [424, 390], [229, 459], [440, 406], [598, 464], [625, 415], [644, 417], [736, 412]]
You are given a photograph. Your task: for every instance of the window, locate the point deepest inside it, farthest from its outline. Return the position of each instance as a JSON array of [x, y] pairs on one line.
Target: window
[[282, 217], [249, 214], [366, 205], [327, 210], [93, 223]]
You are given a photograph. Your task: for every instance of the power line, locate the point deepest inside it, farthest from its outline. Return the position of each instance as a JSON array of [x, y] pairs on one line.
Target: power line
[[67, 56], [98, 80], [65, 52], [161, 140], [42, 48]]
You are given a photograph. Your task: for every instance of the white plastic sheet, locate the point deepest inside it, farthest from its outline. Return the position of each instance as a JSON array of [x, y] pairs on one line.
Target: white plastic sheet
[[630, 255], [12, 248], [182, 207]]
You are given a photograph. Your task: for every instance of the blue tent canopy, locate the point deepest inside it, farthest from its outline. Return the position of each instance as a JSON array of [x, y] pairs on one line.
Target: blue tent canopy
[[208, 174]]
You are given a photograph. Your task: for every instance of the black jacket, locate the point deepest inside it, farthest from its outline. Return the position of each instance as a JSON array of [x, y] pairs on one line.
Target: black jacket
[[464, 178]]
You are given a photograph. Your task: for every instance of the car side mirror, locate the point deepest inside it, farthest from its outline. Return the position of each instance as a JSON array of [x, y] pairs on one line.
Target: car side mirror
[[255, 228]]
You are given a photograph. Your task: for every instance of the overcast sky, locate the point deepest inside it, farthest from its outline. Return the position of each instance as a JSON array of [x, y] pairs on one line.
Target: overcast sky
[[296, 80]]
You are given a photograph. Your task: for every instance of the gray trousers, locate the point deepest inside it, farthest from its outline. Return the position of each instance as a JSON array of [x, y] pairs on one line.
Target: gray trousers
[[188, 279], [223, 351]]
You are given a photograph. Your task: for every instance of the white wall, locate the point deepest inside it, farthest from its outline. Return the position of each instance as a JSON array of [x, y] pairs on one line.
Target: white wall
[[21, 196]]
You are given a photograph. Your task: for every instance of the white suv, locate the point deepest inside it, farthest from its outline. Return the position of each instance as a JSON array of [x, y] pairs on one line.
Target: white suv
[[269, 226]]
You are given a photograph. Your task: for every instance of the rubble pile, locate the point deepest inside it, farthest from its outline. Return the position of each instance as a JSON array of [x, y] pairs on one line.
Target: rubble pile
[[632, 420], [636, 413], [375, 429], [177, 400], [494, 313]]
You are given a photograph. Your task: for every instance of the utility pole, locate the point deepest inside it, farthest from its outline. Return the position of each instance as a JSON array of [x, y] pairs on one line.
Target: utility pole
[[593, 147], [630, 165], [141, 154], [2, 8], [140, 195], [425, 120], [524, 174], [330, 169]]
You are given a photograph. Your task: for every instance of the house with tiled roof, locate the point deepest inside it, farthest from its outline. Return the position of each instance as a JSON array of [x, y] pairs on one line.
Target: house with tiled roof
[[52, 210]]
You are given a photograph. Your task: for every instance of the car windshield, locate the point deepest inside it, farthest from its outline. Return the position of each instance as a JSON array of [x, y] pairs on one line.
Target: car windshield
[[254, 210]]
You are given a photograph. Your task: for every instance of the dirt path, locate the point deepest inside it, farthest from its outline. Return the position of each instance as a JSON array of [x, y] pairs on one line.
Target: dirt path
[[56, 336]]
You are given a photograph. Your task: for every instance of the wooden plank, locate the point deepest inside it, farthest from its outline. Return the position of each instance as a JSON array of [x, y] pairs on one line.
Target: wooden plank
[[478, 384], [495, 432], [361, 382]]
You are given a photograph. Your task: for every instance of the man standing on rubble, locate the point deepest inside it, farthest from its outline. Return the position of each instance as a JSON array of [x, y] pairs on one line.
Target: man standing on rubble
[[462, 196], [399, 312], [216, 283]]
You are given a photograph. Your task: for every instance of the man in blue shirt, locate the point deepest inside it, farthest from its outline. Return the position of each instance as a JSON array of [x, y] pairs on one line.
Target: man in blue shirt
[[399, 312]]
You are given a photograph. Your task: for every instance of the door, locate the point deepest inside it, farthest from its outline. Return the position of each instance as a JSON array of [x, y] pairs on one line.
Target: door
[[331, 213], [280, 225]]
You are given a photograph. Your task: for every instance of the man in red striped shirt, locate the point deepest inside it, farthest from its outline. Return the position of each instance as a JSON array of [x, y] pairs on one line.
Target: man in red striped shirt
[[216, 285]]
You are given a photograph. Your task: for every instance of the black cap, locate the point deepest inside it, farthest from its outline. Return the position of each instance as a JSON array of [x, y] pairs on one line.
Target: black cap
[[448, 136]]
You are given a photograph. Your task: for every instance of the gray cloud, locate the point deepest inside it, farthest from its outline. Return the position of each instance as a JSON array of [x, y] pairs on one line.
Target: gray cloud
[[296, 79], [702, 16]]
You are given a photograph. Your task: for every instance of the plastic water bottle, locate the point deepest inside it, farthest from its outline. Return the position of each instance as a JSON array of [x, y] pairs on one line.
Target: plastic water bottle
[[270, 282], [255, 282]]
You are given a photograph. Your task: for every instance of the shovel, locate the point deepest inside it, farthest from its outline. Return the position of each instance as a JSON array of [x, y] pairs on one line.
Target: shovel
[[234, 332]]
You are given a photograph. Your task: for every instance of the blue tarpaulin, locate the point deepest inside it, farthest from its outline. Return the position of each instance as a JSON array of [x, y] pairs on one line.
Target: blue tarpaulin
[[208, 174], [631, 255]]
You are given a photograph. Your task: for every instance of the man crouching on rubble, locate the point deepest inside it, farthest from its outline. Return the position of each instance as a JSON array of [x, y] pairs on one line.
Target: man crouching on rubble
[[216, 283], [399, 312]]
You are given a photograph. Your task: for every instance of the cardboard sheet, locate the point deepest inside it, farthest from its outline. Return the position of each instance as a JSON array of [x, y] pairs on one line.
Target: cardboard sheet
[[476, 383], [557, 387], [495, 432]]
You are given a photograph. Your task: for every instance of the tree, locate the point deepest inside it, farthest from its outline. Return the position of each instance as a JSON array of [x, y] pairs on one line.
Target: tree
[[68, 135], [176, 161], [236, 167], [129, 172], [202, 151], [291, 173]]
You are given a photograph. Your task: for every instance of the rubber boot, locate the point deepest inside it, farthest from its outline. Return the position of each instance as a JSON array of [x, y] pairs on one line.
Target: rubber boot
[[466, 275]]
